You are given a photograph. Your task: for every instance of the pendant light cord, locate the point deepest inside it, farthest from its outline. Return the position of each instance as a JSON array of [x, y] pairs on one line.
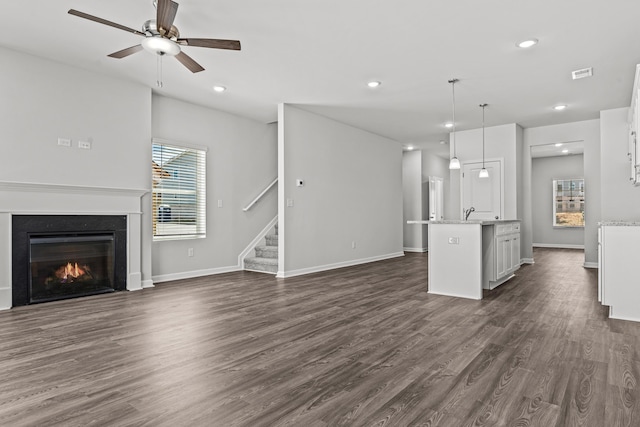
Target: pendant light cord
[[453, 91], [483, 105]]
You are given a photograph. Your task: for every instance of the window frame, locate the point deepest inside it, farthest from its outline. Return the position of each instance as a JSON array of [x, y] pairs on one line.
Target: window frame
[[559, 200], [200, 183]]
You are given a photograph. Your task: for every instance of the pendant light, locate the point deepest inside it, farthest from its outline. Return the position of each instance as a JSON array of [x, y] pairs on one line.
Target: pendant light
[[454, 163], [484, 173]]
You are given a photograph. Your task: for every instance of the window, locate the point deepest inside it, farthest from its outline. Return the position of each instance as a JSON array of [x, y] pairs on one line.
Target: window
[[179, 194], [568, 196]]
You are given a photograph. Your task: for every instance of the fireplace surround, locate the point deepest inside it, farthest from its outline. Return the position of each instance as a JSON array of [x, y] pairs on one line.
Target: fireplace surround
[[66, 256], [43, 199]]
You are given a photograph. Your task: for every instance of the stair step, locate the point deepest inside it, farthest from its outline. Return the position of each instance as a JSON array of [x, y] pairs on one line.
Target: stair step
[[267, 252], [272, 239], [276, 228], [267, 265]]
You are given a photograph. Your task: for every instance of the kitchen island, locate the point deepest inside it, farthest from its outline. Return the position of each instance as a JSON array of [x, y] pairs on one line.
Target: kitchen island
[[466, 257]]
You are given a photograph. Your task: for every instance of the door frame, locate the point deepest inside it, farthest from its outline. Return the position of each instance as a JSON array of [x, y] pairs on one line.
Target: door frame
[[486, 160]]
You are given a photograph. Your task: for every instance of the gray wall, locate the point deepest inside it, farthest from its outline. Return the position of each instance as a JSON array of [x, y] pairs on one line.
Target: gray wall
[[241, 162], [352, 193], [413, 201], [620, 199], [544, 170], [587, 131]]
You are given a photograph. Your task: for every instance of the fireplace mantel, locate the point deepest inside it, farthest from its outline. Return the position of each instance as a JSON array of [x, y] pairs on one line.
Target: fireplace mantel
[[27, 198]]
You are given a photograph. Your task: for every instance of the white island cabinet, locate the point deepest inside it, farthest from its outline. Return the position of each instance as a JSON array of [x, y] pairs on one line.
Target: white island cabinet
[[618, 283], [466, 257]]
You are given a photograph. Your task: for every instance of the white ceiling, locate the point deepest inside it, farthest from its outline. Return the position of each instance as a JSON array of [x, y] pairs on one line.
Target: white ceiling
[[320, 54]]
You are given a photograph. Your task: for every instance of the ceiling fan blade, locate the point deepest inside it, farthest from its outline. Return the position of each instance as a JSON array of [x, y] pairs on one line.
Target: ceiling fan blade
[[104, 21], [212, 43], [126, 52], [166, 13], [188, 62]]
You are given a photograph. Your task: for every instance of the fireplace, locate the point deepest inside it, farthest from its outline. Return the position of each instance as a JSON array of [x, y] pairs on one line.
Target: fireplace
[[66, 256]]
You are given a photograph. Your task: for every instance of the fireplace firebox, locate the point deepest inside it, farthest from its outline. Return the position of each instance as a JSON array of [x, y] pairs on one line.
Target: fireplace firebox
[[66, 266], [66, 256]]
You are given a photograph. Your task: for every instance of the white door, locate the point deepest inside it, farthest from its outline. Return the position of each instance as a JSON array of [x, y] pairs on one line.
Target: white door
[[436, 199], [483, 194]]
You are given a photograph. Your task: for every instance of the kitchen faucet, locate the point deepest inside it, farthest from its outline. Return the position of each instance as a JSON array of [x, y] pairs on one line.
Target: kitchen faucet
[[467, 212]]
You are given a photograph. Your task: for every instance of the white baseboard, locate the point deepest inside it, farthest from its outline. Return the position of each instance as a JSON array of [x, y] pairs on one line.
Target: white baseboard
[[527, 261], [557, 245], [590, 265], [134, 282], [415, 249], [195, 273], [147, 284], [300, 272]]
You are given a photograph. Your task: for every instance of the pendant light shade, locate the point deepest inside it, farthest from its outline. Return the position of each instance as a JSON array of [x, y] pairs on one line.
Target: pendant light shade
[[454, 163], [484, 173]]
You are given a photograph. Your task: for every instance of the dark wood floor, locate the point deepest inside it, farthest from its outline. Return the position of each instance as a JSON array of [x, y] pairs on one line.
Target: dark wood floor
[[362, 346]]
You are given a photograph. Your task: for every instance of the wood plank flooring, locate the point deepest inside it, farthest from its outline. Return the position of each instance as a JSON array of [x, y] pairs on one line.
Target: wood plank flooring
[[361, 346]]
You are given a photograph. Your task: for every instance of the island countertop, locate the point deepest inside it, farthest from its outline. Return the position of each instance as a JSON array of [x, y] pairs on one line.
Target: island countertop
[[460, 221]]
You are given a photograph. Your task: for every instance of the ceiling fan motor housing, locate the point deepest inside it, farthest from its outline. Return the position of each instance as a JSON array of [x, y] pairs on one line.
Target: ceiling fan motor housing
[[150, 28]]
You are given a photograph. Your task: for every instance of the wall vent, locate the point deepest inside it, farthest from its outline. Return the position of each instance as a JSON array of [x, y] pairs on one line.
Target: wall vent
[[581, 74]]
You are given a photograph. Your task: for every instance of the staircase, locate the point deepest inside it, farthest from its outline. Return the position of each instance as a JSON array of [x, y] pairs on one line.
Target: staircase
[[266, 256]]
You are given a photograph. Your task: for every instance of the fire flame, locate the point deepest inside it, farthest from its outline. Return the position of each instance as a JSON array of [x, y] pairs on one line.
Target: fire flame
[[71, 271]]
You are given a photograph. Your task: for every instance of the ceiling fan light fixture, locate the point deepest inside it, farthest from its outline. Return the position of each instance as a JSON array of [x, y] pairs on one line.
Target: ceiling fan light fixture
[[160, 45]]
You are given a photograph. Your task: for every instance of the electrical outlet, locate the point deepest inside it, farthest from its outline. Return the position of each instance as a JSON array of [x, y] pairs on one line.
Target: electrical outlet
[[86, 145], [454, 240], [353, 244], [190, 252]]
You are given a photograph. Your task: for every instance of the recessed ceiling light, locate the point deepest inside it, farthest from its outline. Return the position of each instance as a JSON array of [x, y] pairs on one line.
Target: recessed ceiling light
[[559, 144], [410, 148], [219, 88], [442, 142], [448, 125], [559, 107], [565, 151], [527, 43], [374, 83]]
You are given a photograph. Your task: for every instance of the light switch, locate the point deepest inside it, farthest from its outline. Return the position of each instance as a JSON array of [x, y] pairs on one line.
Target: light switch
[[84, 144], [454, 240], [290, 203], [65, 142], [219, 203]]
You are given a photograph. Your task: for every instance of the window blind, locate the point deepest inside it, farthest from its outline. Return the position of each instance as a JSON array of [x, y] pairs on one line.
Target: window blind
[[179, 193]]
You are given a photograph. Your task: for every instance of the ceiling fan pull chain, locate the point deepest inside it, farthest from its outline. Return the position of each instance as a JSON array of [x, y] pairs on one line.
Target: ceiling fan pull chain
[[159, 80]]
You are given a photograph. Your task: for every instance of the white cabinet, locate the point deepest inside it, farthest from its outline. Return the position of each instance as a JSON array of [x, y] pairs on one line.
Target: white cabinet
[[618, 286], [501, 253]]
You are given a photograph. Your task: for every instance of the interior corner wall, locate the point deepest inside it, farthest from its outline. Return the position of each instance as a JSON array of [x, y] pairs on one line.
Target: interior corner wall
[[500, 143], [241, 162], [587, 131], [352, 194], [620, 198], [412, 201], [544, 170]]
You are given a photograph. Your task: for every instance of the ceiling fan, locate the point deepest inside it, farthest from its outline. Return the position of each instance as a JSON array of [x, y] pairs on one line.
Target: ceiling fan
[[162, 37]]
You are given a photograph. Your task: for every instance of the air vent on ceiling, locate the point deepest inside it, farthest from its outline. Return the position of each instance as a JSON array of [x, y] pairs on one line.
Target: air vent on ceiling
[[581, 74]]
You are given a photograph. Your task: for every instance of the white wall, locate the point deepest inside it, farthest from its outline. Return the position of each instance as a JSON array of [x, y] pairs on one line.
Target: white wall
[[42, 100], [501, 143], [241, 162], [589, 132], [413, 201], [620, 199], [544, 171], [352, 193]]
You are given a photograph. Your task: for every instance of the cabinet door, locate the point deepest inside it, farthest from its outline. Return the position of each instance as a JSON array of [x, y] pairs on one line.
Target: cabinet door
[[515, 252], [503, 256]]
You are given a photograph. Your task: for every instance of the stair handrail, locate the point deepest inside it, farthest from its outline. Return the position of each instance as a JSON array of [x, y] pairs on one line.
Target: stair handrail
[[250, 205]]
